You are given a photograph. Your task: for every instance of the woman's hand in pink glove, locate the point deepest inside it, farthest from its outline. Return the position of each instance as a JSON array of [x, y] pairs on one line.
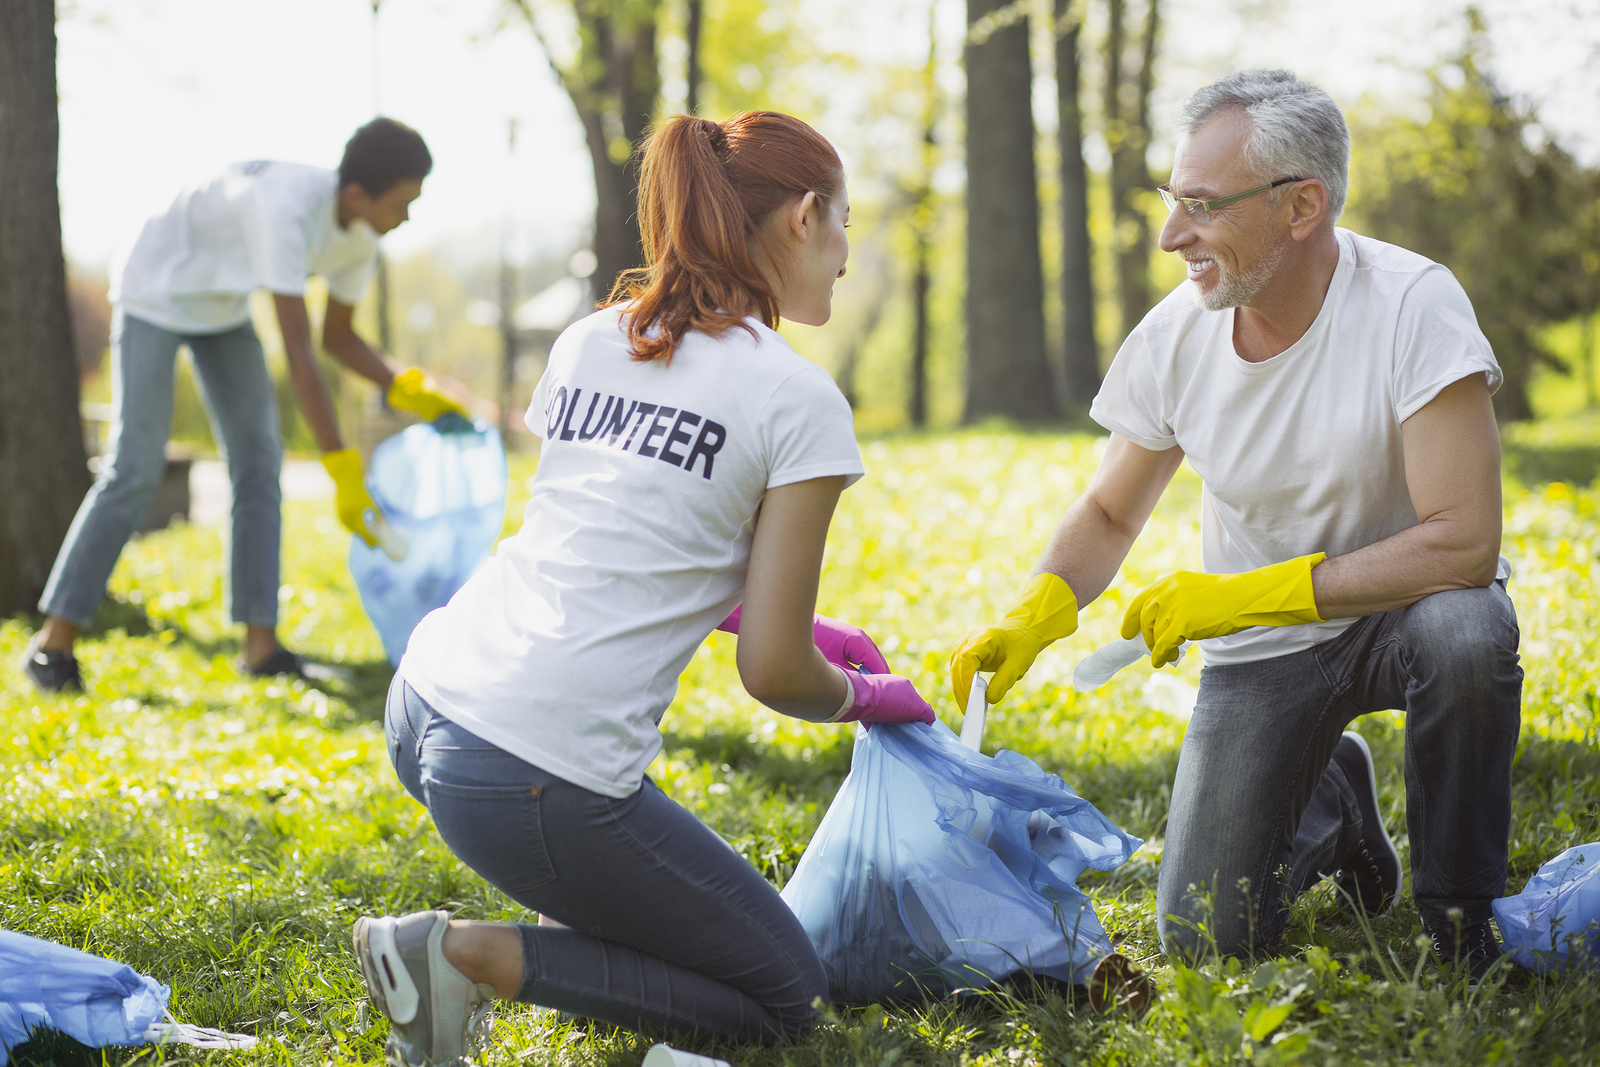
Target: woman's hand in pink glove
[[842, 645], [847, 646], [884, 698]]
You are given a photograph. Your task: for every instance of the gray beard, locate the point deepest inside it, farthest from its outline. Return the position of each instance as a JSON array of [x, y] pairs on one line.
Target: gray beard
[[1237, 290]]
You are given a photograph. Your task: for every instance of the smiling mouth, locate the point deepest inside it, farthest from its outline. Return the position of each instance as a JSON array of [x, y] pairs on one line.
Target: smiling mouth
[[1198, 267]]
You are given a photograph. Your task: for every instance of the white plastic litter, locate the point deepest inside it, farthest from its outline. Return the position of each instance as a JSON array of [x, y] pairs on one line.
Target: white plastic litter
[[667, 1056], [1170, 695], [395, 543], [1099, 666], [977, 711], [172, 1032]]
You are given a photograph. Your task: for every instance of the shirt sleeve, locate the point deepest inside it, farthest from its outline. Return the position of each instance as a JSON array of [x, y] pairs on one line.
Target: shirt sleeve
[[280, 246], [809, 431], [1130, 401], [1437, 342]]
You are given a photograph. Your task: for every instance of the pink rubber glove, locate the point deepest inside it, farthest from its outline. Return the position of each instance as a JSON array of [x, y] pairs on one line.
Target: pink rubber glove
[[885, 698], [841, 644]]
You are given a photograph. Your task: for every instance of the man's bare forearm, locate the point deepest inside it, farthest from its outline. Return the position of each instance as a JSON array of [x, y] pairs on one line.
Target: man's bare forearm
[[1086, 550], [1428, 558], [310, 388], [1094, 536], [353, 352]]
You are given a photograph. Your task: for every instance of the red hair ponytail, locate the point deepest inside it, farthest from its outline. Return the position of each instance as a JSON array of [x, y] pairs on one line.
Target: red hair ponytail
[[705, 188]]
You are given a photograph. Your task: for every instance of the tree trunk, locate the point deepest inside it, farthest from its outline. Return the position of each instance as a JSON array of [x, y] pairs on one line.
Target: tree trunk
[[692, 31], [615, 86], [922, 223], [1081, 358], [1128, 137], [43, 470], [1008, 371]]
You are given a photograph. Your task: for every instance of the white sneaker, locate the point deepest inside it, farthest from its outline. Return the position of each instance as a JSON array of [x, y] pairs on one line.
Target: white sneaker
[[436, 1014]]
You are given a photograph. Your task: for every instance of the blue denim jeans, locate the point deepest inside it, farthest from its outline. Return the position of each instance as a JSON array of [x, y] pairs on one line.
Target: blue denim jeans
[[238, 394], [670, 928], [1259, 813]]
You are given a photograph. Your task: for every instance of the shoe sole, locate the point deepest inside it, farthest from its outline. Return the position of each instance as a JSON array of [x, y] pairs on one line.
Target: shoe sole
[[387, 978], [1372, 783]]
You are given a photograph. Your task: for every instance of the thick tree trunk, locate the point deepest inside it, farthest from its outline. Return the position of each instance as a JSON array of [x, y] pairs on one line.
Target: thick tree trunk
[[43, 469], [1081, 358], [1008, 371], [615, 85]]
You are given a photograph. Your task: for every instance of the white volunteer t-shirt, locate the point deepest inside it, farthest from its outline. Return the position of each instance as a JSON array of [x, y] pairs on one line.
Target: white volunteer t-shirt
[[1302, 452], [566, 647], [258, 225]]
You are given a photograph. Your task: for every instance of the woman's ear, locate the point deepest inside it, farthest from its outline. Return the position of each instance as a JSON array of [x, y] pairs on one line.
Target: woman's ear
[[800, 222]]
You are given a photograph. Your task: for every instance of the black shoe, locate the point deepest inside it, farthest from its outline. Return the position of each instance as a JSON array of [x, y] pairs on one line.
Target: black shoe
[[279, 663], [1463, 946], [51, 672], [1372, 875]]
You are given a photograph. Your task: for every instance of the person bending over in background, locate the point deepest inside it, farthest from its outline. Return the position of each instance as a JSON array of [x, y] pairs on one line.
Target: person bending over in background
[[691, 460], [1332, 392], [187, 280]]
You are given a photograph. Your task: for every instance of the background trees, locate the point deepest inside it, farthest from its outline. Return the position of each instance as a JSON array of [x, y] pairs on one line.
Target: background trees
[[43, 470], [1476, 187], [1008, 372]]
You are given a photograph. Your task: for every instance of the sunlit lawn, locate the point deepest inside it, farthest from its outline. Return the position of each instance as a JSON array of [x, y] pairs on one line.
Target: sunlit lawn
[[222, 834]]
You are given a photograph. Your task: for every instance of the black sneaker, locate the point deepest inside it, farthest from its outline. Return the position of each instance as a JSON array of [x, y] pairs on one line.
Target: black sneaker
[[1471, 947], [278, 664], [1372, 875], [51, 672]]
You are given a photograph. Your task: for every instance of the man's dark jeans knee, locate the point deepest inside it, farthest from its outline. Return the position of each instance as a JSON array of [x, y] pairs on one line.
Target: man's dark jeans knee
[[1259, 813]]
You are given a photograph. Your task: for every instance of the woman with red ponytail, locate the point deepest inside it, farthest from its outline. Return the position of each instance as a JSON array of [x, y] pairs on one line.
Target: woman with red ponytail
[[691, 463]]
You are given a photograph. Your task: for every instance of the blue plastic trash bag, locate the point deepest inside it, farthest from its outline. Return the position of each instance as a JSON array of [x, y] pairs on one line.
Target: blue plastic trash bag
[[92, 1000], [938, 868], [1555, 920], [442, 486]]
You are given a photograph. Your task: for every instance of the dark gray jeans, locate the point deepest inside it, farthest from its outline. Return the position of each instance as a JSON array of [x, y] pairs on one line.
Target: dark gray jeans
[[671, 929], [237, 391], [1259, 813]]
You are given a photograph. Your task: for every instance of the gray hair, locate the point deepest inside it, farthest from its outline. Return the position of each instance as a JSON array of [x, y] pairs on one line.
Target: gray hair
[[1295, 128]]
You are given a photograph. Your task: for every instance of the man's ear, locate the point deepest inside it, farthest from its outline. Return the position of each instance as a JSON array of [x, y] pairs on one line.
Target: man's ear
[[1308, 206], [800, 216]]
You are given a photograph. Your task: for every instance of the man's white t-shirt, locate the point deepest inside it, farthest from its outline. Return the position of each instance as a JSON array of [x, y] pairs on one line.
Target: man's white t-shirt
[[566, 647], [1300, 453], [258, 225]]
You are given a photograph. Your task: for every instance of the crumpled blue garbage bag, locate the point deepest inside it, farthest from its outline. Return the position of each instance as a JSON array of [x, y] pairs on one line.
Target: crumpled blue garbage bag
[[92, 1000], [1555, 920], [938, 868], [442, 485]]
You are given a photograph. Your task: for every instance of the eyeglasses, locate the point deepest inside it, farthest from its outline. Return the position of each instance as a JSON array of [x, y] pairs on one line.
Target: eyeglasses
[[1200, 210]]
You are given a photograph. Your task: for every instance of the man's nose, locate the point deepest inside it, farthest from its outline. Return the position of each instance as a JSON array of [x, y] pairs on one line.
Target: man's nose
[[1177, 231]]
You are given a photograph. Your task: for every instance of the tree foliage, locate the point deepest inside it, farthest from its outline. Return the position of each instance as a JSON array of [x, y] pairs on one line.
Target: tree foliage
[[1476, 186]]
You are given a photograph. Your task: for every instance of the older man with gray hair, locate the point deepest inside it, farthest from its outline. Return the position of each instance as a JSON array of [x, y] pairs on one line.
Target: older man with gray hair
[[1332, 391]]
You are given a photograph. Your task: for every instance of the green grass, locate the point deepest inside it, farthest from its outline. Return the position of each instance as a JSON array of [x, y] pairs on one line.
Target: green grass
[[222, 834]]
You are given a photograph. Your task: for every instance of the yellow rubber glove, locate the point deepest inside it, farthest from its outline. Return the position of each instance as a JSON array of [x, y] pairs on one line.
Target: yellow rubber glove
[[1190, 606], [415, 390], [1048, 611], [350, 498]]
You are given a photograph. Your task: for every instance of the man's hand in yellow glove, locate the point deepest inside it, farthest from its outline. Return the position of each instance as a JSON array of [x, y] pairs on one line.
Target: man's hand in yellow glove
[[351, 499], [1047, 612], [415, 390], [1189, 606]]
